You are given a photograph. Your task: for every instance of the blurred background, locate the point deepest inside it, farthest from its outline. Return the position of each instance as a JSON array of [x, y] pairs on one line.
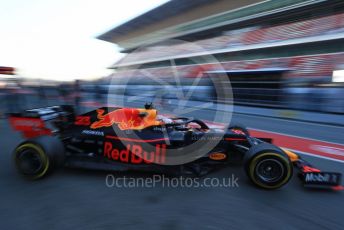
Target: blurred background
[[280, 61], [283, 56]]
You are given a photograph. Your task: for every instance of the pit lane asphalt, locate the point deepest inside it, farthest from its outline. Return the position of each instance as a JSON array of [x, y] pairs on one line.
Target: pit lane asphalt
[[81, 200]]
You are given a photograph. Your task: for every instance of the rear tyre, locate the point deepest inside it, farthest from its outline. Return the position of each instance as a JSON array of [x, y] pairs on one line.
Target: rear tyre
[[38, 157], [267, 166]]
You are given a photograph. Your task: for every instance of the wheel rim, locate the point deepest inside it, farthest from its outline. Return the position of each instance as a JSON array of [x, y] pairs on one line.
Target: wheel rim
[[29, 162], [269, 170]]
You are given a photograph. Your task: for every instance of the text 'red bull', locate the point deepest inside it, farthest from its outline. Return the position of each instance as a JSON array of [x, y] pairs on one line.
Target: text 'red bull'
[[134, 154]]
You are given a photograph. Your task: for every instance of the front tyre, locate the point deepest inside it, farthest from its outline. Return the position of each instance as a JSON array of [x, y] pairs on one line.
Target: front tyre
[[267, 166], [37, 157]]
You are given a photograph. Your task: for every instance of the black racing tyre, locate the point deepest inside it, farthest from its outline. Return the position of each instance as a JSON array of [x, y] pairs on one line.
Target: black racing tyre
[[35, 158], [239, 127], [267, 166]]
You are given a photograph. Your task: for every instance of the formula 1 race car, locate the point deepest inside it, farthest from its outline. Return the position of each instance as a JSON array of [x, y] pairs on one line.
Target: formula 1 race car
[[137, 139]]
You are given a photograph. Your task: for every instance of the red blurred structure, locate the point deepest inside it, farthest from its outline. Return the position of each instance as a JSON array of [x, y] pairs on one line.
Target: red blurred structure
[[7, 70]]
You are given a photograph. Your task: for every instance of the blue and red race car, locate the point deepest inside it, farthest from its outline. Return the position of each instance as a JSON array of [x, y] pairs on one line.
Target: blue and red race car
[[137, 139]]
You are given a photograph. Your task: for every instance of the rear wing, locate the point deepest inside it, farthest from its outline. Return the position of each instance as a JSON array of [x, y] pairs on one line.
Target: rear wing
[[41, 121]]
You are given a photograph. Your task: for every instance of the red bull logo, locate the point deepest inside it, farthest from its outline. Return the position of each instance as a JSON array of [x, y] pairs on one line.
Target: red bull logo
[[134, 154], [126, 118]]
